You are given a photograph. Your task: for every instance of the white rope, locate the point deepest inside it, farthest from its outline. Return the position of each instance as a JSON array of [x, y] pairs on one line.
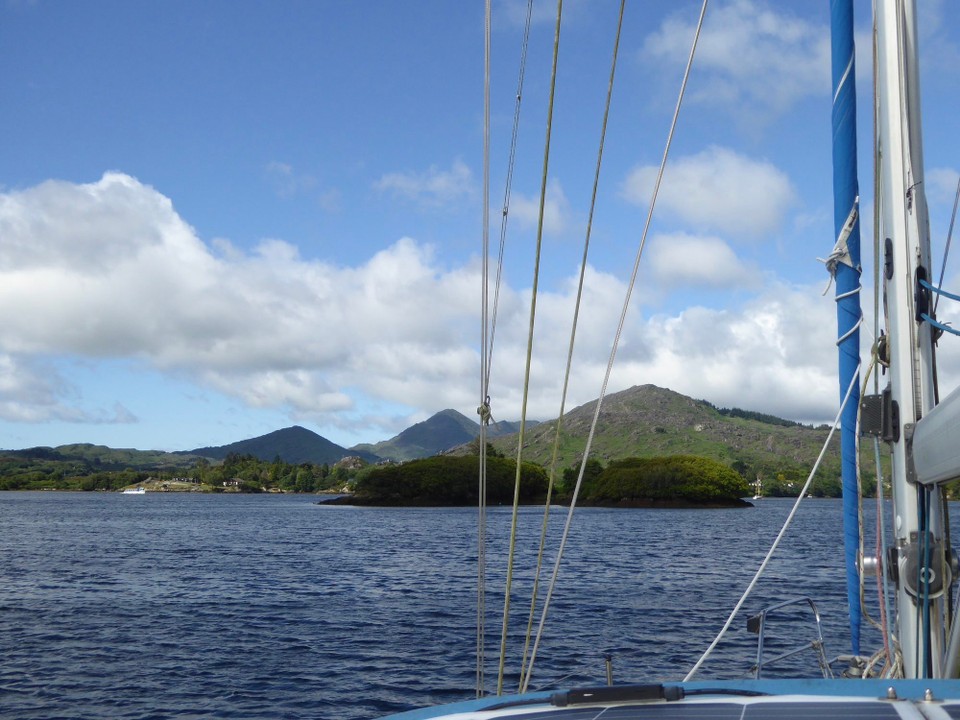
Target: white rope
[[780, 535], [613, 351]]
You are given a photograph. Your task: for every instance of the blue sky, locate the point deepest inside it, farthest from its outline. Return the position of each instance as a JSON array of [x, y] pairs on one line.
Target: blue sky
[[218, 219]]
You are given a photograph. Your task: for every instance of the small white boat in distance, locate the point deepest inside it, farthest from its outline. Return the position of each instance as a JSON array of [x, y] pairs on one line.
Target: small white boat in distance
[[134, 491]]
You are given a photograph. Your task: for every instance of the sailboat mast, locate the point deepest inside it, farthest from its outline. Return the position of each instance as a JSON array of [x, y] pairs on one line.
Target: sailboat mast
[[918, 558]]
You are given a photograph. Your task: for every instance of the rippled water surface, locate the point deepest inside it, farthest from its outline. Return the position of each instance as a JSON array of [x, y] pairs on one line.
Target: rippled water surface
[[250, 606]]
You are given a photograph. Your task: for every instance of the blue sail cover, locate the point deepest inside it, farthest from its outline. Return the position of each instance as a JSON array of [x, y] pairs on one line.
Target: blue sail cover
[[845, 198]]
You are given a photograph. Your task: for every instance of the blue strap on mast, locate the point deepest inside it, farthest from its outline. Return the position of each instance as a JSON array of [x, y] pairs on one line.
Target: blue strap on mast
[[847, 275]]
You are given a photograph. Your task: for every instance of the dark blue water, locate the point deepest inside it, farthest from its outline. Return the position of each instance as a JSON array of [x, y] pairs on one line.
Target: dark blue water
[[256, 606]]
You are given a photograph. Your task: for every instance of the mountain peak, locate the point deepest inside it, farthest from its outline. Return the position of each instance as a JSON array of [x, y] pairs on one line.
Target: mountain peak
[[294, 445]]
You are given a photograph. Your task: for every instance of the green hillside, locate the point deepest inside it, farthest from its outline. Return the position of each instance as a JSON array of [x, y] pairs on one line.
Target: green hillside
[[648, 421]]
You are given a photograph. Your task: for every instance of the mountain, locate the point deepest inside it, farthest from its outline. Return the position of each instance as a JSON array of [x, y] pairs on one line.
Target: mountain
[[646, 421], [443, 431], [642, 421], [293, 445], [95, 458]]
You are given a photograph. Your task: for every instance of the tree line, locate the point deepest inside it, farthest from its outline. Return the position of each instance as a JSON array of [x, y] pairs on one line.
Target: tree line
[[243, 472]]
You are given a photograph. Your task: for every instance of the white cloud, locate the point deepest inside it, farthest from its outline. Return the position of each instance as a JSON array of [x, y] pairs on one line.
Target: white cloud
[[397, 334], [306, 393], [556, 210], [717, 189], [681, 259], [32, 390], [109, 270], [774, 354], [432, 188], [751, 58]]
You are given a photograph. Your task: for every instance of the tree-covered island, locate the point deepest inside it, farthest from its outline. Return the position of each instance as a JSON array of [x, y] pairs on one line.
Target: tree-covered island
[[678, 481]]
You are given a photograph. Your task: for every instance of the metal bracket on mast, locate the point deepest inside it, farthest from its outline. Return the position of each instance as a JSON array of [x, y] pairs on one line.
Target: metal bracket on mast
[[911, 469], [880, 416]]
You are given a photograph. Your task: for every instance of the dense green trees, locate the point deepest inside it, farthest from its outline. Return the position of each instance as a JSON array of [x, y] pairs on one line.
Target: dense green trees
[[237, 472], [448, 480], [676, 479], [440, 480], [445, 480]]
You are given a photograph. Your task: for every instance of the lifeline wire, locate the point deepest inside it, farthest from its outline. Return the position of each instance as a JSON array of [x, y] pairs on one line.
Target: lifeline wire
[[573, 334], [780, 535], [613, 350]]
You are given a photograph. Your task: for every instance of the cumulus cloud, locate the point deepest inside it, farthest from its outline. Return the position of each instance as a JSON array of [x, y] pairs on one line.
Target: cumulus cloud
[[109, 270], [556, 210], [432, 188], [752, 57], [774, 352], [717, 189], [681, 259], [272, 329]]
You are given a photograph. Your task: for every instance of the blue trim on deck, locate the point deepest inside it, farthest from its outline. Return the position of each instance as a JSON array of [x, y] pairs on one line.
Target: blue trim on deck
[[808, 689]]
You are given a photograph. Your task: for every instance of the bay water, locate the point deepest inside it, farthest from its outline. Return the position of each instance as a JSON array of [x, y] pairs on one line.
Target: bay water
[[272, 606]]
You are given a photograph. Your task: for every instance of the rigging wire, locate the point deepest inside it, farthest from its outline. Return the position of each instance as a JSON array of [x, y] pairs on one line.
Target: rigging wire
[[780, 536], [488, 341], [511, 163], [946, 249], [573, 334], [613, 350], [529, 360], [484, 373]]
